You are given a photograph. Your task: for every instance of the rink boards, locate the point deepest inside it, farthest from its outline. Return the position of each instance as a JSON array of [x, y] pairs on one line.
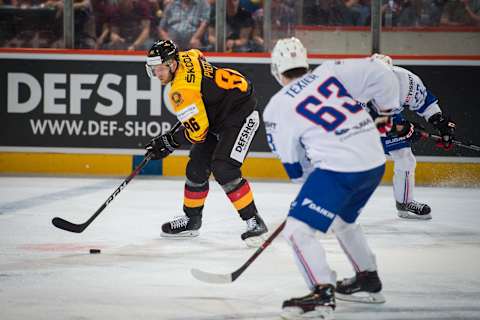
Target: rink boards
[[430, 170], [90, 113]]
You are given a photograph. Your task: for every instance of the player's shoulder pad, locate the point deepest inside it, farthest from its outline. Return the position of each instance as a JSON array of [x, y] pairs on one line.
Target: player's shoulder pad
[[189, 72], [197, 53]]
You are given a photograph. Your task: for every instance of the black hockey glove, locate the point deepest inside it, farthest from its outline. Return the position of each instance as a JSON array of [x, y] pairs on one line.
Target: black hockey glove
[[161, 146], [407, 130], [446, 128]]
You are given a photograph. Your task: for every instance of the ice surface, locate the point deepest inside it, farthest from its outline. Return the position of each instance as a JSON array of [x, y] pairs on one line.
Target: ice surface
[[430, 269]]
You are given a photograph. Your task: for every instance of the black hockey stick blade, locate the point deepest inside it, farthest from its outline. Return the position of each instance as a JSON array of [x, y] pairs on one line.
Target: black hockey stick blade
[[68, 226], [230, 277]]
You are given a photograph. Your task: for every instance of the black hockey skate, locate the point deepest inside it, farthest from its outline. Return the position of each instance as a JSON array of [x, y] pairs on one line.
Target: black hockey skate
[[364, 287], [182, 226], [317, 305], [256, 232], [414, 210]]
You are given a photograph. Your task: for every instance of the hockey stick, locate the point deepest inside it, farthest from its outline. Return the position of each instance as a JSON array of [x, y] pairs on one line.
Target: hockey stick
[[230, 277], [78, 228], [436, 138]]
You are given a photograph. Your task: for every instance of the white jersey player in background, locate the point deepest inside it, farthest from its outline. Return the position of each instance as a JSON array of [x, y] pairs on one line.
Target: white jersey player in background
[[323, 136], [415, 97]]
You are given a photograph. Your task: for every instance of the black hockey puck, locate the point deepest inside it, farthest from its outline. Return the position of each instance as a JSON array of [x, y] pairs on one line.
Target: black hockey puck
[[94, 251]]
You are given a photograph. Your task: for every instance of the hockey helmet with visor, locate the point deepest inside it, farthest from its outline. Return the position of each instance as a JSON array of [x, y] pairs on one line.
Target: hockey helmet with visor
[[161, 52]]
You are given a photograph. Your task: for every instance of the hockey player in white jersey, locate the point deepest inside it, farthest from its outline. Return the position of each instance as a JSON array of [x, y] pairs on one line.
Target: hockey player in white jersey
[[325, 138], [415, 97]]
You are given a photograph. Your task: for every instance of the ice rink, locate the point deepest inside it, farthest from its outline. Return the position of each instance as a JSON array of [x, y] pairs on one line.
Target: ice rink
[[430, 269]]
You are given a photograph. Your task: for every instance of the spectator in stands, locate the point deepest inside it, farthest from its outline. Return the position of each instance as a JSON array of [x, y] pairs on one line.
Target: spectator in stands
[[362, 9], [407, 12], [340, 13], [473, 11], [240, 25], [185, 22], [455, 14], [35, 26], [130, 25], [430, 12], [400, 13], [104, 11], [251, 5], [315, 12], [283, 22], [84, 23]]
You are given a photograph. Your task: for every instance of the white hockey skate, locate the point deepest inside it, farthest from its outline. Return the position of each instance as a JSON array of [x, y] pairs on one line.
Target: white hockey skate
[[414, 210]]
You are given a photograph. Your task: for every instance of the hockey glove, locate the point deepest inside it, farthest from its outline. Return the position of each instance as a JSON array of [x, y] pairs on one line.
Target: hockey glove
[[384, 124], [446, 128], [161, 146], [408, 130]]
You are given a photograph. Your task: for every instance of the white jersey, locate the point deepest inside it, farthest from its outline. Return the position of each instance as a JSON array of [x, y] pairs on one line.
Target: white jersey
[[317, 118], [414, 95], [367, 80]]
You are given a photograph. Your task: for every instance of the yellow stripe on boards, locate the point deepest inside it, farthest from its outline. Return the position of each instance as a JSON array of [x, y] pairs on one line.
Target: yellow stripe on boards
[[174, 166], [53, 163], [454, 174]]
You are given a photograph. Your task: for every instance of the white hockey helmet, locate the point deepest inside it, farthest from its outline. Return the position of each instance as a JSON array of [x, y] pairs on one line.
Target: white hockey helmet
[[384, 58], [288, 53]]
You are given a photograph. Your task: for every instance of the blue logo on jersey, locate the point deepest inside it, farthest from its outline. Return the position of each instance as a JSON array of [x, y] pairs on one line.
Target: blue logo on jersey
[[341, 131]]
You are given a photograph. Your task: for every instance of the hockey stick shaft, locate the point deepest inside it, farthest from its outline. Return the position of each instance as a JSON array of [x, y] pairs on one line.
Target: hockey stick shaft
[[228, 278], [262, 248], [78, 228], [458, 143]]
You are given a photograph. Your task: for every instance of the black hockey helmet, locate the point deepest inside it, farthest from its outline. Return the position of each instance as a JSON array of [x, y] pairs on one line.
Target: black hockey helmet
[[161, 52]]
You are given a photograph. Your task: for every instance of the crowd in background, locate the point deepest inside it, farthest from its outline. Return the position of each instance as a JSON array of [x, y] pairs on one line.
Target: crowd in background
[[136, 24]]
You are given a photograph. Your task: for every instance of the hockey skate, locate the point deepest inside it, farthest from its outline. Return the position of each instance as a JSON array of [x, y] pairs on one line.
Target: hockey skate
[[181, 227], [319, 304], [364, 287], [256, 232], [414, 210]]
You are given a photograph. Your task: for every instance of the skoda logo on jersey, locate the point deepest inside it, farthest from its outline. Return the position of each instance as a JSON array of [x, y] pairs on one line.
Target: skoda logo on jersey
[[313, 206]]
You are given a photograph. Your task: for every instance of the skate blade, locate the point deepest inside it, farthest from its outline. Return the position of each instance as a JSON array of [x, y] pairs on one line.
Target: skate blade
[[295, 313], [183, 234], [361, 297], [255, 242], [412, 216]]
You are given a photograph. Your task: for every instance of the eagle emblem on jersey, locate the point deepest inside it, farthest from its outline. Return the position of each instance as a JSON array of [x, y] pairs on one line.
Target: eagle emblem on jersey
[[177, 98]]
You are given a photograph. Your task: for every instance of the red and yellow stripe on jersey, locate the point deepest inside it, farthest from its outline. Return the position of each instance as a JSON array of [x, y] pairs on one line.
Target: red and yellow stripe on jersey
[[186, 96], [242, 196]]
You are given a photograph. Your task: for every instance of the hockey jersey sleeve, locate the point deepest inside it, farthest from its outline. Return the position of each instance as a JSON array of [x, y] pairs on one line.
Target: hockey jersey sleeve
[[369, 80], [415, 95], [285, 143], [190, 110]]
